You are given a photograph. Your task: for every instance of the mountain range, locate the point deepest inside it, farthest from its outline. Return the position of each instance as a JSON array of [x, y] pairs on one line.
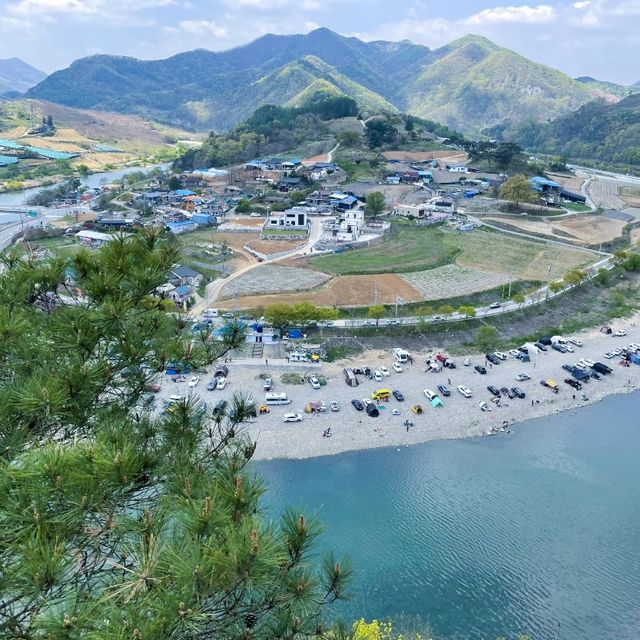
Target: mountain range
[[18, 76], [600, 130], [469, 84]]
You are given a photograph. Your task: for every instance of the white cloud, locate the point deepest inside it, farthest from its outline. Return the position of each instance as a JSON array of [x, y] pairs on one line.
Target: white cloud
[[522, 14], [199, 27], [38, 9]]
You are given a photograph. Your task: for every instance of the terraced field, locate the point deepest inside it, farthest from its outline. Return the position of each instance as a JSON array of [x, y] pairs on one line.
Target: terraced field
[[452, 281]]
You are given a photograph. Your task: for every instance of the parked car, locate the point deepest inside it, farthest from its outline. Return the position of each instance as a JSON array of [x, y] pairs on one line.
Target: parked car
[[494, 305], [438, 319], [494, 391], [222, 383], [397, 367], [516, 354], [545, 340], [467, 362], [480, 369], [465, 391], [377, 376], [576, 341], [430, 394], [587, 362], [267, 385], [602, 368], [573, 383], [444, 390], [500, 355], [334, 406], [609, 355], [292, 417], [569, 348], [518, 392], [211, 385], [194, 381], [398, 395], [357, 405], [521, 377], [620, 333], [314, 382], [492, 358], [540, 346], [383, 370], [567, 367], [559, 347]]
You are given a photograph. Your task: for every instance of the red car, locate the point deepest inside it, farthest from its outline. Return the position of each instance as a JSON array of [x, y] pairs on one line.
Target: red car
[[442, 357]]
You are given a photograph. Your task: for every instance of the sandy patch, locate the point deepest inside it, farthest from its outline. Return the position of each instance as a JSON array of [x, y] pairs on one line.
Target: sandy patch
[[425, 156]]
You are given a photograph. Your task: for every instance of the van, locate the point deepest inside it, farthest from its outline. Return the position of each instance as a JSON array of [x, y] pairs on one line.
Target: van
[[401, 355], [381, 394], [276, 398], [210, 313]]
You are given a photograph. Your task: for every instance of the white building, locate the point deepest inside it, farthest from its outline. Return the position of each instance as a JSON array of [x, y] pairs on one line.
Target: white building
[[349, 225], [93, 239], [295, 218]]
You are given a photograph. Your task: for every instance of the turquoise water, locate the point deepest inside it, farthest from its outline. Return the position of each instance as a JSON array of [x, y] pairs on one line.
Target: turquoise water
[[535, 533]]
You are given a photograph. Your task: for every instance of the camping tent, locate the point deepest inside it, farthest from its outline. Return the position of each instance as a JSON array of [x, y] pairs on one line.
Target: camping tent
[[436, 402]]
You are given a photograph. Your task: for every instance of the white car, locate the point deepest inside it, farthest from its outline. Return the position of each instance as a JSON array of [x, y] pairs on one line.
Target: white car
[[194, 381], [377, 376], [255, 214], [314, 382], [292, 417], [616, 352], [587, 362], [515, 353], [334, 406], [430, 394], [467, 362], [569, 348], [397, 367], [608, 355], [465, 391], [222, 383], [576, 341], [383, 370], [634, 346], [499, 354], [620, 333], [521, 377]]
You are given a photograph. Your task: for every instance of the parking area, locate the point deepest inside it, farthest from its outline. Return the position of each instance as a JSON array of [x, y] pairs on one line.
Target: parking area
[[458, 417]]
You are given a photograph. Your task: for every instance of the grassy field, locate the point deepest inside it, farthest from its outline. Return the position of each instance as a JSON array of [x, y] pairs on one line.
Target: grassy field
[[517, 257], [409, 249], [576, 206], [284, 232], [406, 249]]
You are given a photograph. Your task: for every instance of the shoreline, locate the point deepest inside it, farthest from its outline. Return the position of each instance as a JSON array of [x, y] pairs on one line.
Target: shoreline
[[389, 444], [459, 418]]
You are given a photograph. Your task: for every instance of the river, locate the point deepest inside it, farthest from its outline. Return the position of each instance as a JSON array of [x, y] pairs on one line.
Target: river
[[92, 181], [534, 533]]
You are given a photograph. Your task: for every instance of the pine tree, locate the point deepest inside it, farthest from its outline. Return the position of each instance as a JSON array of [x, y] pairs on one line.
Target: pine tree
[[117, 521]]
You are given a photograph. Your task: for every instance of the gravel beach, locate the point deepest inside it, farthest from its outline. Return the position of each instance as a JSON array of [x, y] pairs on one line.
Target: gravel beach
[[459, 417]]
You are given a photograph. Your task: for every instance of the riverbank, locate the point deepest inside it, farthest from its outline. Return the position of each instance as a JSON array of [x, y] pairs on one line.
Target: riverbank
[[460, 417]]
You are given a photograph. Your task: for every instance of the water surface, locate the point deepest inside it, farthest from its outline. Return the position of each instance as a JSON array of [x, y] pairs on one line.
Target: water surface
[[537, 533]]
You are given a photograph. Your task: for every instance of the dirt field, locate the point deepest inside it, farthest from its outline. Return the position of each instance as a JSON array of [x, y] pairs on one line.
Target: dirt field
[[584, 229], [352, 291], [425, 156], [569, 181], [269, 247], [631, 195]]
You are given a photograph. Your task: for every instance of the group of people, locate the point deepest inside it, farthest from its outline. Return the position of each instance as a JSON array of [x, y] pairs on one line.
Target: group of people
[[327, 433]]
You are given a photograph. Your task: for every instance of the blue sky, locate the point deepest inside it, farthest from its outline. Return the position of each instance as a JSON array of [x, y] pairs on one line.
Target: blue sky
[[600, 38]]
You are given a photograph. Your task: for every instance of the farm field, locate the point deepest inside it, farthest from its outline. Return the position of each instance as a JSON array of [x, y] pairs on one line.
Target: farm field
[[407, 249], [273, 279], [584, 229], [341, 291], [517, 258], [453, 281], [631, 195], [605, 194]]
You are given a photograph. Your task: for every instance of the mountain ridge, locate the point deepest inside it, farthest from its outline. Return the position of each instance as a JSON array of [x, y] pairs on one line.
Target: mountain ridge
[[16, 75], [207, 89]]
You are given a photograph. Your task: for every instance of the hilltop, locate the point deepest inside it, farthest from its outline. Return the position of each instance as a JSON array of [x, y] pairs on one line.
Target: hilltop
[[18, 76], [470, 83]]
